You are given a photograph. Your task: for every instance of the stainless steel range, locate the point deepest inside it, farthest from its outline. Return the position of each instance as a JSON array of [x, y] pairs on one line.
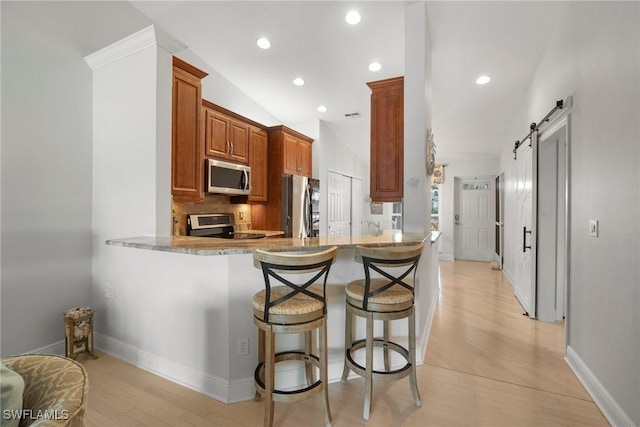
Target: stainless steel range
[[216, 225]]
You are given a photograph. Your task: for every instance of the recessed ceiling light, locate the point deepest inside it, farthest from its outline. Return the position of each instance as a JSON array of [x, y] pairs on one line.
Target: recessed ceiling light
[[483, 80], [375, 66], [352, 17], [263, 43], [298, 81], [322, 109]]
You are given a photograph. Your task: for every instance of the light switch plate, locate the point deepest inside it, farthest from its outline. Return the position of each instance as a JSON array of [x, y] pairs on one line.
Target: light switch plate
[[593, 227]]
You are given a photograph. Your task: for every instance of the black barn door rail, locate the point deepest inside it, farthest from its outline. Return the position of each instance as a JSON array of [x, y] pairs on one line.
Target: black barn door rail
[[534, 127]]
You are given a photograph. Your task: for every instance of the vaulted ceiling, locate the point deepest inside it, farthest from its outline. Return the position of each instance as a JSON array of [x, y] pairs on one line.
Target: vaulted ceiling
[[311, 39]]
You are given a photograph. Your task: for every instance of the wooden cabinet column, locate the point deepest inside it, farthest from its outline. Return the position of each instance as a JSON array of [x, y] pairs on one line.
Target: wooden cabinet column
[[187, 150], [387, 140]]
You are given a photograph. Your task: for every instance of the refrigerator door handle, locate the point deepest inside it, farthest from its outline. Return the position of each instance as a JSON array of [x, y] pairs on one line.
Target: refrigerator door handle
[[307, 211]]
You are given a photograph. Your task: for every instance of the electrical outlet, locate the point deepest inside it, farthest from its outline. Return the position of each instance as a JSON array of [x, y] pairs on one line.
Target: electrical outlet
[[593, 227], [111, 292], [243, 346]]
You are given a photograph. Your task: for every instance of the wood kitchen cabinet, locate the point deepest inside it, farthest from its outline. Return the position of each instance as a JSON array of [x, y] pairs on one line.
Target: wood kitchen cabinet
[[226, 137], [296, 151], [258, 160], [186, 141], [387, 140], [289, 153]]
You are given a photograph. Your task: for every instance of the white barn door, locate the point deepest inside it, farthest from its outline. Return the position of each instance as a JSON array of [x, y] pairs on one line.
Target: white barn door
[[525, 286]]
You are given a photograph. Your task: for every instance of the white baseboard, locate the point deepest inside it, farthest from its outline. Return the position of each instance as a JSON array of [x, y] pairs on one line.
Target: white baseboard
[[446, 257], [216, 388], [191, 378], [605, 402], [56, 348]]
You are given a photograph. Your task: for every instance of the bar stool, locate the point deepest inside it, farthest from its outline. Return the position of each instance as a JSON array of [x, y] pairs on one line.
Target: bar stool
[[288, 309], [386, 298]]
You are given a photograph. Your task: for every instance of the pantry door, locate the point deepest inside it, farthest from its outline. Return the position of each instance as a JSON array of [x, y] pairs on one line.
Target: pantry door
[[339, 205]]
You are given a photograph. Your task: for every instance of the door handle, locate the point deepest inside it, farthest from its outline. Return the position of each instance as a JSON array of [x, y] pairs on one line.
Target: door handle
[[524, 239]]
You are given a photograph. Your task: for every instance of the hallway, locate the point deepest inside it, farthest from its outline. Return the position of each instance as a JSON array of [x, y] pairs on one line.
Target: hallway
[[510, 368], [486, 364]]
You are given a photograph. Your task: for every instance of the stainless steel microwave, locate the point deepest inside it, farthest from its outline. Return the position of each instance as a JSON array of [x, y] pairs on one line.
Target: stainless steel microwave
[[227, 178]]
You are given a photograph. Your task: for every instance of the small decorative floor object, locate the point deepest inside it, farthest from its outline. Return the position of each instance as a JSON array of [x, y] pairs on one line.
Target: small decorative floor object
[[78, 332]]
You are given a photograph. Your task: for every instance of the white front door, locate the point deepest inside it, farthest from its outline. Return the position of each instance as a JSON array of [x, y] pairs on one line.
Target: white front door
[[475, 218], [525, 286], [339, 205]]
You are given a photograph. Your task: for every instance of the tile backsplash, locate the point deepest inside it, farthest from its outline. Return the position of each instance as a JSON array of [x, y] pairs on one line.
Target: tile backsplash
[[212, 204]]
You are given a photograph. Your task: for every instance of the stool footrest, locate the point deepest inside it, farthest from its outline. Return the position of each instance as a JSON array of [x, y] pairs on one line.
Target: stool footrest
[[288, 395], [392, 375]]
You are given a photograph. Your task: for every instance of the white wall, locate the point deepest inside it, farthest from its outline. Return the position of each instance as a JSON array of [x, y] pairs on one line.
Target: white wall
[[333, 155], [417, 78], [217, 89], [460, 165], [593, 56], [46, 181]]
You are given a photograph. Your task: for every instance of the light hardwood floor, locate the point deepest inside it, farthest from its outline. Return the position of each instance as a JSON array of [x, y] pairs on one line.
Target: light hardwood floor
[[486, 364]]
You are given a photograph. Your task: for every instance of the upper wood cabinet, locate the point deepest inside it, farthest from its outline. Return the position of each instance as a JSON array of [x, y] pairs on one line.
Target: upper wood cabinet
[[186, 142], [387, 140], [296, 151], [258, 159], [289, 153], [226, 138]]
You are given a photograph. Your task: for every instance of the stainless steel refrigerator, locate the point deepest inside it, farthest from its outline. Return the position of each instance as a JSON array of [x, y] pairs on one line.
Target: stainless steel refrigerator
[[300, 206]]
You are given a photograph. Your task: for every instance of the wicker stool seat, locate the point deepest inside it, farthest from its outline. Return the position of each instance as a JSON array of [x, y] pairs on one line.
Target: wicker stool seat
[[292, 308], [385, 298], [385, 301], [297, 305]]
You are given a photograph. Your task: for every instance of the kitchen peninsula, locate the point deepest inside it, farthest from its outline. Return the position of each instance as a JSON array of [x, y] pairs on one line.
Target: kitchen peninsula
[[190, 301]]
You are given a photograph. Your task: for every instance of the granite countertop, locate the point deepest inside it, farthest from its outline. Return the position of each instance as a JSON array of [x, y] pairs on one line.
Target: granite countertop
[[268, 233], [214, 246]]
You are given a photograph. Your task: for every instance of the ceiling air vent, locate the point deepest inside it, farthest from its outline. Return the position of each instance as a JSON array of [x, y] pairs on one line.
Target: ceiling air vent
[[352, 115]]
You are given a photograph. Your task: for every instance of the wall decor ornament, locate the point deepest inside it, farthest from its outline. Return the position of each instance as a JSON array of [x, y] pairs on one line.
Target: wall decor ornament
[[438, 174], [431, 153]]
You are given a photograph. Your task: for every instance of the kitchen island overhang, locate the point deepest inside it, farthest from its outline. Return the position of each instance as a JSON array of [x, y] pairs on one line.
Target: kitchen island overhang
[[205, 246], [181, 316]]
